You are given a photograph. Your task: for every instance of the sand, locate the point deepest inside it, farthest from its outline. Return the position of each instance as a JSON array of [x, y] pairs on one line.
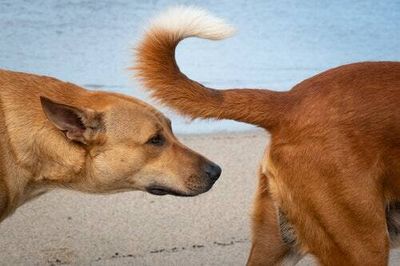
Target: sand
[[135, 228]]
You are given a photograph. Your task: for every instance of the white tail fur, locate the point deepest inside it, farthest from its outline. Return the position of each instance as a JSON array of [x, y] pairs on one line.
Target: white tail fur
[[187, 21]]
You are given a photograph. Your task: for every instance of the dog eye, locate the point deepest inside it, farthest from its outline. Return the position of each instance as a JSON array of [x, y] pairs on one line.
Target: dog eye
[[157, 140]]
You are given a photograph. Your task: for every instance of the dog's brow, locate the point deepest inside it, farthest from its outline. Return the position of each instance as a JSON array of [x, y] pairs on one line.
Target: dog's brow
[[158, 127], [157, 130]]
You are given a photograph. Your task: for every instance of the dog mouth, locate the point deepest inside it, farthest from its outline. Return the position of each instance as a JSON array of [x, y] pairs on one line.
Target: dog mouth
[[161, 191]]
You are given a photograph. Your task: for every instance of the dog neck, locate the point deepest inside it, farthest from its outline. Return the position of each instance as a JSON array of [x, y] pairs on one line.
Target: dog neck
[[34, 159]]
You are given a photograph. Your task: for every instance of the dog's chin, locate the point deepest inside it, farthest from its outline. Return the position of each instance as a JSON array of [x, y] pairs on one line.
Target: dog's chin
[[162, 191]]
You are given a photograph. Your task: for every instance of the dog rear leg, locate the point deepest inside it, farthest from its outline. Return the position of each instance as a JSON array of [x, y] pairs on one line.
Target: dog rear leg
[[268, 245], [359, 239]]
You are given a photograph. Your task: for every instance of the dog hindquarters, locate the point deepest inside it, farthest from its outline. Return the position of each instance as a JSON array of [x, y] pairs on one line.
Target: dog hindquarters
[[337, 214]]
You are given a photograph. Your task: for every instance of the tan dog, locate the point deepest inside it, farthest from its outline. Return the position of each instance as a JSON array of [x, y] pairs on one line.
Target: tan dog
[[57, 135], [330, 180]]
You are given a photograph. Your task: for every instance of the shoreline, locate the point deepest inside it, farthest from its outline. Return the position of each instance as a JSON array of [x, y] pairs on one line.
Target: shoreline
[[222, 134]]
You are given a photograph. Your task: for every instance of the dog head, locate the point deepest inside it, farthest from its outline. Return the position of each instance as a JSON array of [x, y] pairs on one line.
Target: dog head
[[129, 145]]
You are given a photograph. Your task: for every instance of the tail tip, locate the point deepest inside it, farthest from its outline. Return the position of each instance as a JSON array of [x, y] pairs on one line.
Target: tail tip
[[188, 21]]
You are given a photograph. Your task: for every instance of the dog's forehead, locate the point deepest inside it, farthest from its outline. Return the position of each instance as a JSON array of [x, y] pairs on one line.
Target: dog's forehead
[[131, 119]]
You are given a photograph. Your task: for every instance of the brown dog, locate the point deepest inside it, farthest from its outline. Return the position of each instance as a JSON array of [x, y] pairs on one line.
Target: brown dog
[[330, 180], [57, 135]]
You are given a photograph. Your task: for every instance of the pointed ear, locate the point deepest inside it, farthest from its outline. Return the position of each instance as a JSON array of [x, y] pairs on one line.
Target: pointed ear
[[78, 124]]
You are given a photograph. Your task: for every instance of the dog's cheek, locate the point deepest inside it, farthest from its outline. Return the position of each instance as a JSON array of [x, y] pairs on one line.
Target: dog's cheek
[[116, 165]]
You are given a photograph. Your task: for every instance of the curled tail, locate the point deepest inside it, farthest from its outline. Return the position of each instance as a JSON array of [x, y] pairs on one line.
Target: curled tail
[[156, 67]]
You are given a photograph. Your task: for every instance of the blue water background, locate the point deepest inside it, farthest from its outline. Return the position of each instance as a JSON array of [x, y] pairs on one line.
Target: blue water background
[[278, 43]]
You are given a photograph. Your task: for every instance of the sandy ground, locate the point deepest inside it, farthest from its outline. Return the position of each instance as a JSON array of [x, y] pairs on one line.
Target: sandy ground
[[136, 228]]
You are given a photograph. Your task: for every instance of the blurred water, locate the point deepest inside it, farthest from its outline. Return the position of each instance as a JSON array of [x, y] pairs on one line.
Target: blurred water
[[278, 44]]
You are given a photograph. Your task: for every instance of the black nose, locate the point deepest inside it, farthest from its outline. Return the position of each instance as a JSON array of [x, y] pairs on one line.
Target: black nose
[[213, 171]]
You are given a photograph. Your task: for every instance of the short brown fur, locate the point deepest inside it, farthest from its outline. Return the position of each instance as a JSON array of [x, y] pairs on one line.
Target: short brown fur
[[333, 164], [55, 134]]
